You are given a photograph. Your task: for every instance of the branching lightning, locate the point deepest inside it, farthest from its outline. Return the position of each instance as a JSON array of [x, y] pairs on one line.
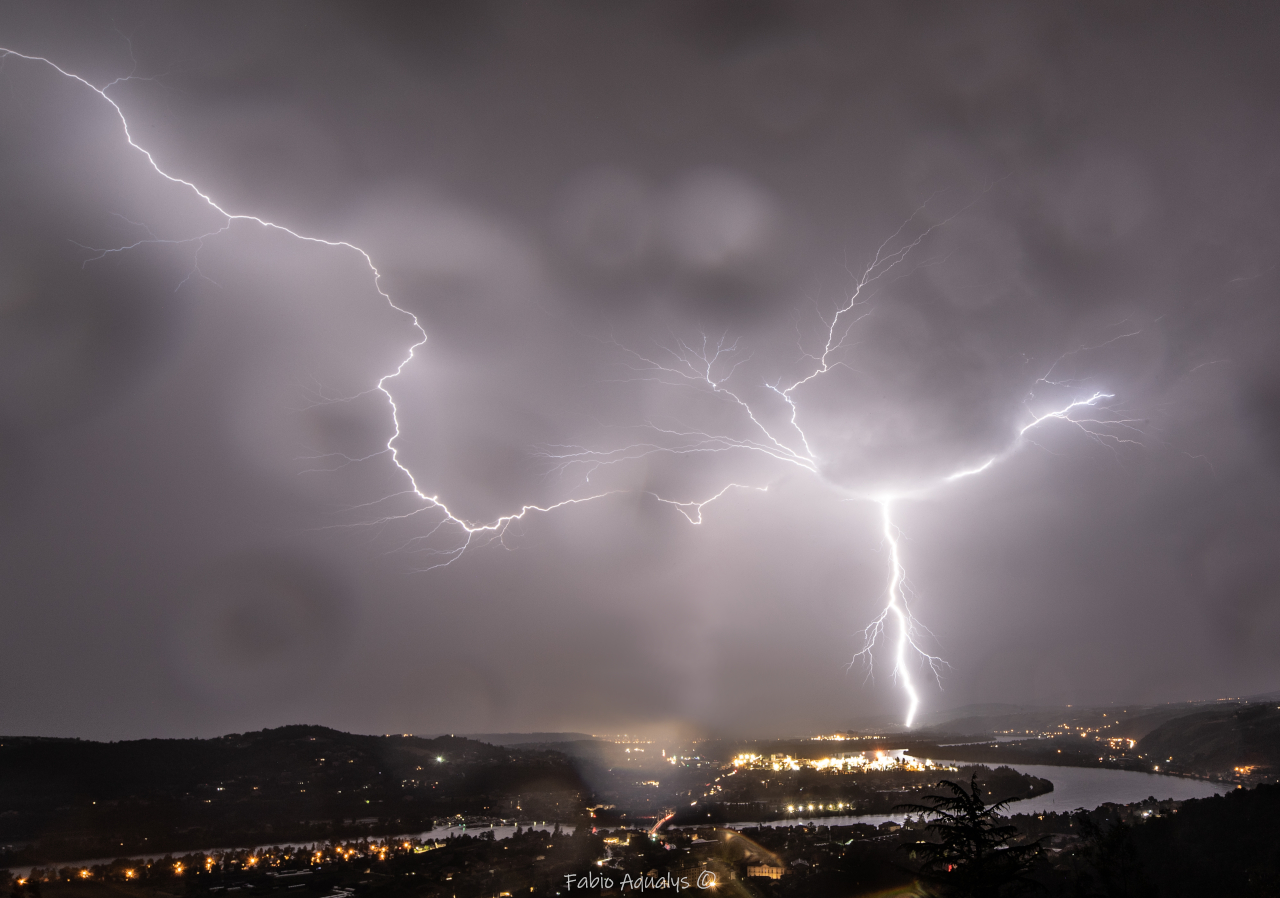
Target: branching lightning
[[905, 643], [706, 365], [469, 530]]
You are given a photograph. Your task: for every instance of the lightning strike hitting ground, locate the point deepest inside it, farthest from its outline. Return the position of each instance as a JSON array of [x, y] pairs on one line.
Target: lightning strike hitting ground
[[706, 366], [907, 626]]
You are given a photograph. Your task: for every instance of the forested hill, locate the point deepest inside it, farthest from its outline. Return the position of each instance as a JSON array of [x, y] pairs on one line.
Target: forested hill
[[1218, 740], [302, 781]]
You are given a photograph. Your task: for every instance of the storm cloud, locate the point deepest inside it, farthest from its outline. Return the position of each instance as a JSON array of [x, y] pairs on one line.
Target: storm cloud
[[201, 530]]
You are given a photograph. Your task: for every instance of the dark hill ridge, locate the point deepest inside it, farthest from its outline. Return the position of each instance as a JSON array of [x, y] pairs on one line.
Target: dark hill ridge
[[1226, 845], [1132, 721], [293, 782], [527, 739], [1219, 740], [272, 760]]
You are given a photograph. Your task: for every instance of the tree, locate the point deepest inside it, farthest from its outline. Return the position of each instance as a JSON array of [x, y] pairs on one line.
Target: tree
[[969, 854], [1111, 857]]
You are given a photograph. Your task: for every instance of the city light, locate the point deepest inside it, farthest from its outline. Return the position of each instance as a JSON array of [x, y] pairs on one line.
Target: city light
[[895, 759]]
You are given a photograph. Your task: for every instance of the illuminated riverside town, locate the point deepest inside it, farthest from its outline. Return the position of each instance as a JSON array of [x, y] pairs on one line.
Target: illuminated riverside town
[[894, 759], [464, 449], [407, 813]]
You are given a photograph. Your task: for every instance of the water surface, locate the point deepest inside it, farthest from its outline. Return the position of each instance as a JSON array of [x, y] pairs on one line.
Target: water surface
[[1073, 787]]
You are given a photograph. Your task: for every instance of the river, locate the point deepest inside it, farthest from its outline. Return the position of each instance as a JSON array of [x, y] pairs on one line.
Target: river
[[1073, 787], [440, 832]]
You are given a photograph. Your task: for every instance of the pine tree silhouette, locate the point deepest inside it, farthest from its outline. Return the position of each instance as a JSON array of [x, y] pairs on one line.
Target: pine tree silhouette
[[969, 853]]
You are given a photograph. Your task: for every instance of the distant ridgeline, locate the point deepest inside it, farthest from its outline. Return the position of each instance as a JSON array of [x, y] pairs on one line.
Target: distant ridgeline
[[1244, 739], [1233, 741], [527, 739], [90, 799], [68, 799]]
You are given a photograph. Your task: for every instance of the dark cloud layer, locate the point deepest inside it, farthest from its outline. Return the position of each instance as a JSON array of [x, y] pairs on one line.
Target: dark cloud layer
[[558, 190]]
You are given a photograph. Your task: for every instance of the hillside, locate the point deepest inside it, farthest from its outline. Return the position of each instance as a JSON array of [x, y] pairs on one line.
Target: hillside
[[524, 740], [291, 782], [1227, 845], [1133, 721], [1219, 739]]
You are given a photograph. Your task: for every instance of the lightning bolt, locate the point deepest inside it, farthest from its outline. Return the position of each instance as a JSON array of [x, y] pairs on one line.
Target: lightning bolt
[[469, 531], [905, 643], [706, 366]]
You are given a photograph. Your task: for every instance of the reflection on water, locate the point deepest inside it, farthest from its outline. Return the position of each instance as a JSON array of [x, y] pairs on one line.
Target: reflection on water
[[499, 832], [440, 832], [1073, 787], [1084, 787]]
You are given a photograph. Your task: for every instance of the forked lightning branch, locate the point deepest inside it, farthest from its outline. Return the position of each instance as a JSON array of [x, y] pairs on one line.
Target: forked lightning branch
[[702, 365]]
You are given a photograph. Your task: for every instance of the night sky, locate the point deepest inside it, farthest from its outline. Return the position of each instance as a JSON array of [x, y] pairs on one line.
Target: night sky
[[201, 531]]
